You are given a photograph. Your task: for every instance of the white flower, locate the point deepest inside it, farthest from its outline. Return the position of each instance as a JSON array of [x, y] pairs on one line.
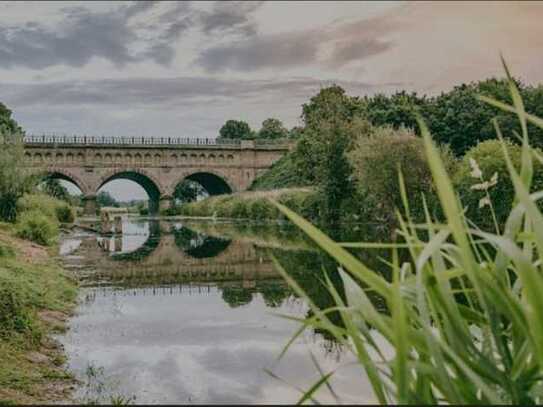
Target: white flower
[[493, 180], [480, 187], [475, 170], [484, 202]]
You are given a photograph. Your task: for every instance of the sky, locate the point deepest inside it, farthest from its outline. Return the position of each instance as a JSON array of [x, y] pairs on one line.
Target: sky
[[181, 69]]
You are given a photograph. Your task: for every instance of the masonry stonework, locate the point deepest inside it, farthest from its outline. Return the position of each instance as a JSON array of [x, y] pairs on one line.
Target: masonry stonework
[[158, 168]]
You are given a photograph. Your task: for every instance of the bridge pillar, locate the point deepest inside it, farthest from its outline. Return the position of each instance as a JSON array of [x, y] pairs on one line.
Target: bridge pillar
[[166, 202], [90, 206]]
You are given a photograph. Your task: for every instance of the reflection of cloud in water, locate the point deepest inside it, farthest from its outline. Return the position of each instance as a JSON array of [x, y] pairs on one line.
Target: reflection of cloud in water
[[171, 339]]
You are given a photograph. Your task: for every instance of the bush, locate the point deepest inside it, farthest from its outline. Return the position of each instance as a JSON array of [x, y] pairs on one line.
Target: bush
[[14, 315], [488, 157], [376, 159], [37, 227], [64, 213], [49, 206]]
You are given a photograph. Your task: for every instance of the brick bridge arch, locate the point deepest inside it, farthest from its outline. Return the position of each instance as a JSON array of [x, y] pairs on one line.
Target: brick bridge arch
[[213, 181], [67, 175], [158, 164]]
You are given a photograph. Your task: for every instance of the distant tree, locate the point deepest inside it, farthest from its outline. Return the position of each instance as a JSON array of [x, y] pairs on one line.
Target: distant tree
[[188, 191], [296, 132], [235, 129], [459, 119], [272, 129], [397, 110], [104, 198], [331, 103]]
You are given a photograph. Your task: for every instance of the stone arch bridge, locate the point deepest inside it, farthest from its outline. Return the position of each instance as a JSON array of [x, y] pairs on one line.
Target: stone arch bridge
[[157, 164]]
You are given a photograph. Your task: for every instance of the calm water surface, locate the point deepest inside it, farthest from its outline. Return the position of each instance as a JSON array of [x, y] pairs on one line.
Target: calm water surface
[[187, 312]]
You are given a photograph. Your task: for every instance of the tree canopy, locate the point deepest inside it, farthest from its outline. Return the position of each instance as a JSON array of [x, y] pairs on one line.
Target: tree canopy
[[235, 129], [8, 125], [272, 129]]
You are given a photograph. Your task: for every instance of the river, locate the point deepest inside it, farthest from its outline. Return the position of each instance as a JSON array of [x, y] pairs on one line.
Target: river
[[191, 312]]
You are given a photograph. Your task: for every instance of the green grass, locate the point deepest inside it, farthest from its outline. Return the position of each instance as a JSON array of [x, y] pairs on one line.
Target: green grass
[[28, 286], [465, 315], [253, 205]]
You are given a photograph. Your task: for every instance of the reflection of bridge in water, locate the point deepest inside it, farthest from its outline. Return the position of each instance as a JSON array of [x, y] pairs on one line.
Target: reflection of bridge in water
[[179, 255]]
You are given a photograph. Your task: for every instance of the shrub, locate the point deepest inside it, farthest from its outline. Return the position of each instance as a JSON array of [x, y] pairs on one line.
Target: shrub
[[64, 213], [376, 159], [488, 157], [37, 227], [463, 322], [14, 315], [47, 205]]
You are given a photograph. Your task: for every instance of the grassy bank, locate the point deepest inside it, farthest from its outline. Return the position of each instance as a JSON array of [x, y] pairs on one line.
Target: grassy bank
[[36, 295], [253, 205]]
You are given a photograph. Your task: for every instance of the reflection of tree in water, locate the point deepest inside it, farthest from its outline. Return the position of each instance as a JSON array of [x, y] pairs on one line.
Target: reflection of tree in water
[[274, 293], [236, 296], [199, 245], [308, 271]]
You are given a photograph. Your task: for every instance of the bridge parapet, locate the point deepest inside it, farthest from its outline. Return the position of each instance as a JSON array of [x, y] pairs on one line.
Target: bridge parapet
[[151, 141]]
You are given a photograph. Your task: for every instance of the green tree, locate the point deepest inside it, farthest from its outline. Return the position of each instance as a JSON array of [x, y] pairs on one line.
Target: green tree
[[188, 191], [397, 110], [331, 103], [8, 126], [15, 180], [272, 129], [459, 119], [379, 153], [296, 132], [235, 129], [104, 198]]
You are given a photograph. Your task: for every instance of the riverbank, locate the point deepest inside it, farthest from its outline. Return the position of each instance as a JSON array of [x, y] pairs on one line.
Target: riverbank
[[36, 298], [253, 205]]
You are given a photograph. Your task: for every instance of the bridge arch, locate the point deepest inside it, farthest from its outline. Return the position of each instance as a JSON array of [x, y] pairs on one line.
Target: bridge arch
[[215, 183], [147, 181], [63, 174]]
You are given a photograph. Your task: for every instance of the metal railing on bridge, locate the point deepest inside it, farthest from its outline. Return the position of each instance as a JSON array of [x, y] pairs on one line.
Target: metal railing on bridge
[[103, 140]]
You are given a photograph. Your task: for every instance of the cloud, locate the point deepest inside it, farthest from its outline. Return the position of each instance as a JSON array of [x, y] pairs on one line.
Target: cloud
[[83, 34], [230, 16], [268, 51], [333, 45], [160, 91]]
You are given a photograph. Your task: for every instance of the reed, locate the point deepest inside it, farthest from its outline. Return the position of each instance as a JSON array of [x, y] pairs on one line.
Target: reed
[[465, 312]]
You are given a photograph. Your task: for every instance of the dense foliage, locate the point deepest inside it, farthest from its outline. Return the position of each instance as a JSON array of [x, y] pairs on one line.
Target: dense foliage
[[37, 227], [15, 181], [272, 129], [464, 314], [188, 191], [378, 155], [7, 124], [484, 183], [235, 129]]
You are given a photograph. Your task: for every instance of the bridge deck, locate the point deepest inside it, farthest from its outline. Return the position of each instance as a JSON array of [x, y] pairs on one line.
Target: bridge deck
[[169, 142]]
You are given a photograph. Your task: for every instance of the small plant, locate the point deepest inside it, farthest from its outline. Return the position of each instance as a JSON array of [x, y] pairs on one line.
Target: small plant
[[64, 213], [37, 227], [465, 312]]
